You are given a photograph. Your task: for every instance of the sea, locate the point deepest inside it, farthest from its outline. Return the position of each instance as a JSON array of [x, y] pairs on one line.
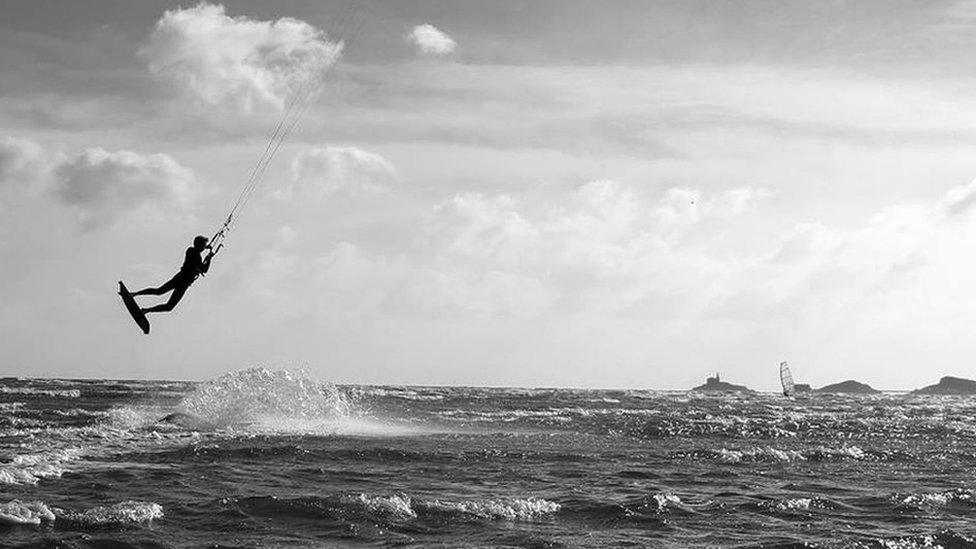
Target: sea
[[275, 459]]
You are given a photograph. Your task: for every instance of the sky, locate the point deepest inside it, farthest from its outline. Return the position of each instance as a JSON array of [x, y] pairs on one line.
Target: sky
[[612, 194]]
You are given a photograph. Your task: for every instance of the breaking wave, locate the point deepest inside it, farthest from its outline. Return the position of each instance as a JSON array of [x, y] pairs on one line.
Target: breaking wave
[[399, 507], [119, 514], [31, 392], [20, 512]]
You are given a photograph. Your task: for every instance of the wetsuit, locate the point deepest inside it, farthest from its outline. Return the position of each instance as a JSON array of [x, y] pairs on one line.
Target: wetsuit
[[193, 266]]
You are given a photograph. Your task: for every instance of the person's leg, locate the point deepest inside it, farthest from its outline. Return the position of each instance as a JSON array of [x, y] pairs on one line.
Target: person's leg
[[174, 298], [171, 284]]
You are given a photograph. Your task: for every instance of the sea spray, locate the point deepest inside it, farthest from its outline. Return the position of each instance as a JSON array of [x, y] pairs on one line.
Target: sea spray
[[265, 397]]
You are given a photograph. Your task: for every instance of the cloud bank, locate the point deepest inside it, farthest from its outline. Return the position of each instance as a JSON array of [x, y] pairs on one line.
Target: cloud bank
[[238, 62]]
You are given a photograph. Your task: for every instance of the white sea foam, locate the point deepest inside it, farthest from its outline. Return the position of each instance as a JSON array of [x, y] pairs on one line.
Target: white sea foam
[[401, 506], [937, 499], [503, 509], [126, 512], [20, 512], [794, 504], [911, 543], [665, 500], [30, 468], [28, 391], [395, 506], [505, 416], [416, 394], [844, 452], [767, 453]]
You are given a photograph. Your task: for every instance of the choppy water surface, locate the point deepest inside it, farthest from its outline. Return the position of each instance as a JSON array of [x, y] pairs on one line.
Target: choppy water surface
[[271, 459]]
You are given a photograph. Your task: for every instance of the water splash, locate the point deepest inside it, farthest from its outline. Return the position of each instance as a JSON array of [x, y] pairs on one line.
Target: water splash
[[20, 512], [272, 400]]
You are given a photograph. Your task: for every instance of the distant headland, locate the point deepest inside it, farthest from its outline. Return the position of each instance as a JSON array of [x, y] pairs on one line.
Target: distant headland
[[949, 385], [847, 387]]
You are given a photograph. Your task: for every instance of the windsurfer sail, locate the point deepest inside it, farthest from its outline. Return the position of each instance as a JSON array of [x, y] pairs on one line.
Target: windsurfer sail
[[786, 378]]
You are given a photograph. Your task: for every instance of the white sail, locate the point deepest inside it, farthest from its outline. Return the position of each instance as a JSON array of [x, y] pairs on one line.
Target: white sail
[[786, 378]]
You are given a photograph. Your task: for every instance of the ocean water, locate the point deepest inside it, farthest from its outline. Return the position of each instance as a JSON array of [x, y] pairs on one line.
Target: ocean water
[[261, 458]]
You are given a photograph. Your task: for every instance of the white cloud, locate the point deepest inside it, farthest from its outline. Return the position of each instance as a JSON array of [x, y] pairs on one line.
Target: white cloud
[[344, 171], [486, 231], [356, 280], [605, 247], [100, 186], [103, 186], [22, 162], [431, 41], [222, 60], [960, 200]]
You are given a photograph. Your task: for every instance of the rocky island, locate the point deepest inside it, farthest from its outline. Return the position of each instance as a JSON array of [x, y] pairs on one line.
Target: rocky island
[[849, 386], [949, 385], [716, 385]]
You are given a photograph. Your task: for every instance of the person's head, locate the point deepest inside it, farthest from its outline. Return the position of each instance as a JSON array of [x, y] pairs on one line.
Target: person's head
[[200, 242]]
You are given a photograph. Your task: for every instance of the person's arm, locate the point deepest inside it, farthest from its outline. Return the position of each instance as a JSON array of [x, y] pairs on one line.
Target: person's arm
[[205, 265]]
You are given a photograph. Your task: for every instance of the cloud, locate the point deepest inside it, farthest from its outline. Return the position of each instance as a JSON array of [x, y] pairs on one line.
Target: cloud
[[344, 171], [605, 247], [431, 41], [960, 200], [235, 61], [472, 227], [350, 278], [22, 162], [102, 186]]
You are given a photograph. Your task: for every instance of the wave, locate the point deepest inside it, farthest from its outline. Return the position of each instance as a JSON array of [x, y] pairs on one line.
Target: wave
[[795, 504], [511, 509], [651, 511], [770, 454], [965, 498], [399, 507], [759, 454], [945, 539], [20, 512], [30, 468], [119, 514], [28, 391], [417, 394]]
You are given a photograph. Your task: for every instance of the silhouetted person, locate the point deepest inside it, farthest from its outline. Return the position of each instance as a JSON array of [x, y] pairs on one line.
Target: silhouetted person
[[193, 266]]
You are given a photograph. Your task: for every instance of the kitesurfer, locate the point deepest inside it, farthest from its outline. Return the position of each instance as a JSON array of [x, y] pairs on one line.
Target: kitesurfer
[[193, 266]]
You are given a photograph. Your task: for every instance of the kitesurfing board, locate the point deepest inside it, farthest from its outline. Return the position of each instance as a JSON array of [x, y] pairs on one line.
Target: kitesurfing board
[[133, 308]]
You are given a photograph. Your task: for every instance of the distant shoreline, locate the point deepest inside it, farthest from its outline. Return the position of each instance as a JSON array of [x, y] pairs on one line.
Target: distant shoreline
[[927, 390]]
